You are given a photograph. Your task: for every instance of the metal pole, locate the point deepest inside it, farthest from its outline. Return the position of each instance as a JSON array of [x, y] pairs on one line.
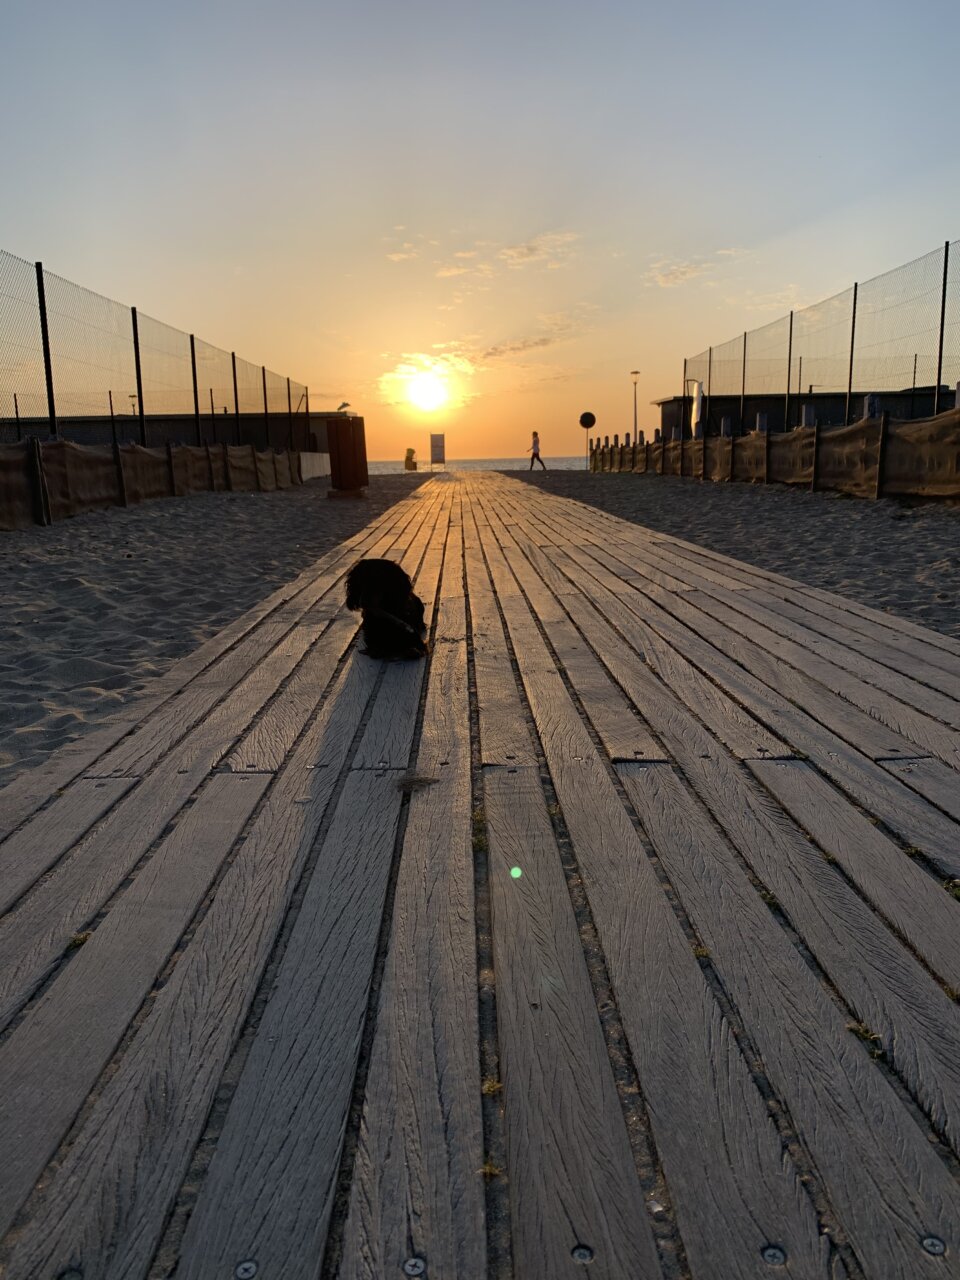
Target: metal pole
[[196, 389], [853, 336], [113, 423], [236, 394], [743, 382], [683, 399], [786, 403], [913, 385], [308, 442], [136, 361], [45, 340], [943, 314], [16, 414], [290, 414], [266, 410]]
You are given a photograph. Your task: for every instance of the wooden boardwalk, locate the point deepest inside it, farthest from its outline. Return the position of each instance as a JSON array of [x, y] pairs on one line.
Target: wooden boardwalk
[[620, 939]]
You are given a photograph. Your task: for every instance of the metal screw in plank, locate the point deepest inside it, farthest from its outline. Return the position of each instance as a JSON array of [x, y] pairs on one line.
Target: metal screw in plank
[[245, 1270], [773, 1255], [581, 1253], [934, 1245], [414, 1267]]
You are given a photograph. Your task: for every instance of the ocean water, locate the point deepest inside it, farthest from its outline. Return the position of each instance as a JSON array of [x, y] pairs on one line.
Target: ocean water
[[483, 464]]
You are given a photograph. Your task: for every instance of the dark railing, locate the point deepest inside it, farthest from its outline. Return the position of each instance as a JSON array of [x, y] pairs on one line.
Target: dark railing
[[75, 365]]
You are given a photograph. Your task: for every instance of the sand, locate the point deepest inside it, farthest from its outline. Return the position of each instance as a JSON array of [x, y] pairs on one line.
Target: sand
[[900, 557], [96, 606]]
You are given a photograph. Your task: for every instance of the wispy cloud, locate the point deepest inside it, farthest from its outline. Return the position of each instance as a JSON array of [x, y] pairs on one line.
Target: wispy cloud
[[670, 273], [557, 326], [553, 250]]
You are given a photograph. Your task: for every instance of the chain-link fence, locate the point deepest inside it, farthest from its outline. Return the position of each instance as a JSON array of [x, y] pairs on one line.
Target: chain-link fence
[[77, 365], [895, 338]]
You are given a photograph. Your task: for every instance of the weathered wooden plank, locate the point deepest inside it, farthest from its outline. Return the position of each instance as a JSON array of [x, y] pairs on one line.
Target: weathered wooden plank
[[914, 664], [103, 1208], [621, 730], [33, 938], [915, 905], [36, 787], [870, 719], [504, 733], [36, 934], [417, 1183], [264, 747], [741, 733], [884, 696], [918, 1025], [887, 1185], [905, 812], [53, 1058], [732, 1189], [269, 1190], [874, 621], [571, 1173], [934, 780], [34, 849]]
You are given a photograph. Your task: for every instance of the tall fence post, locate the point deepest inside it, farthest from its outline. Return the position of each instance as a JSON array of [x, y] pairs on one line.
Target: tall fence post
[[136, 363], [16, 414], [743, 385], [943, 316], [786, 402], [289, 417], [236, 394], [196, 389], [266, 411], [683, 399], [853, 338], [306, 407], [45, 340]]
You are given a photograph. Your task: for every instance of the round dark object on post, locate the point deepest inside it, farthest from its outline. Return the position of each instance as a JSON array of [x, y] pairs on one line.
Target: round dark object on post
[[587, 420]]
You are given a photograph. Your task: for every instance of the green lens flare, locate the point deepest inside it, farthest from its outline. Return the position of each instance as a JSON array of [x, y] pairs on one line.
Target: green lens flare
[[516, 872]]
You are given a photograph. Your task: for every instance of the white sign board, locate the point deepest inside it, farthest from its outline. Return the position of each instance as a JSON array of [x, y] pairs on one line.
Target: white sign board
[[437, 453]]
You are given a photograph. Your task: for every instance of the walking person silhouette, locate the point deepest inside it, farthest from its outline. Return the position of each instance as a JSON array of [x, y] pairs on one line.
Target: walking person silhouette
[[534, 451]]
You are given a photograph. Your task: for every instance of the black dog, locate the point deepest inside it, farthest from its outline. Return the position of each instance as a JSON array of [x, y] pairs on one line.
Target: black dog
[[393, 625]]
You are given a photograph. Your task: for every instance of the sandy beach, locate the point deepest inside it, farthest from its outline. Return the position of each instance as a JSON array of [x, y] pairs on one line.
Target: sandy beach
[[96, 606], [890, 555]]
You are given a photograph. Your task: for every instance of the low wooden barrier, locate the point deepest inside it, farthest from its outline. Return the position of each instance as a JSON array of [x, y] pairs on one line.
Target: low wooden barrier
[[51, 480], [869, 459]]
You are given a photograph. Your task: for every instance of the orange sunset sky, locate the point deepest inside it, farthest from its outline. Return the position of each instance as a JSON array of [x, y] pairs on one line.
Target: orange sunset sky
[[522, 202]]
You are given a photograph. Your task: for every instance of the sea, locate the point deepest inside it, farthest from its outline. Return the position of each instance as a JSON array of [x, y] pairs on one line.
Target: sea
[[482, 464]]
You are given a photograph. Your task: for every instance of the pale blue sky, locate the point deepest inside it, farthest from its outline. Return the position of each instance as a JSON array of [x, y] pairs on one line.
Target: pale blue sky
[[242, 170]]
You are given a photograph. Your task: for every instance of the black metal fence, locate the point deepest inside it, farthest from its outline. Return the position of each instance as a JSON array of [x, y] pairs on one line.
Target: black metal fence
[[896, 337], [78, 366]]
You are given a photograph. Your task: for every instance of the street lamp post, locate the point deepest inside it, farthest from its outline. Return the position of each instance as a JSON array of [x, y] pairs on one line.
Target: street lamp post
[[634, 374]]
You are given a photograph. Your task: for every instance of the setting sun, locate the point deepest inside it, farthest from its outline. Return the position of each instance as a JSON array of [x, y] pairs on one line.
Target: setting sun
[[427, 391]]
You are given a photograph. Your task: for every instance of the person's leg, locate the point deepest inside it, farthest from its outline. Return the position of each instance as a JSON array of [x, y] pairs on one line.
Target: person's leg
[[541, 461], [532, 456]]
